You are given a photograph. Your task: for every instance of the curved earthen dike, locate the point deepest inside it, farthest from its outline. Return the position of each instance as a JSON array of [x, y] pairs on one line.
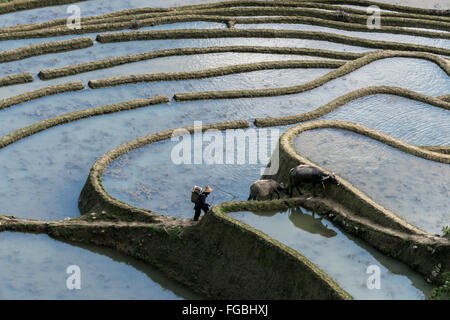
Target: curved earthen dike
[[224, 12], [116, 61], [16, 79], [265, 33], [363, 217], [78, 115], [261, 268], [45, 48], [39, 93], [347, 68], [351, 96], [216, 258], [19, 5], [215, 72], [242, 263]]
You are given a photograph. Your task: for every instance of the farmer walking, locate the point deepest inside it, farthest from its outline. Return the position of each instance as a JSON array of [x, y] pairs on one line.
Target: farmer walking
[[200, 203]]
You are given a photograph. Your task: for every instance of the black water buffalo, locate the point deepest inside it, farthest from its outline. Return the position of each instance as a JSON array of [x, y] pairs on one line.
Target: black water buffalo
[[308, 174], [266, 188]]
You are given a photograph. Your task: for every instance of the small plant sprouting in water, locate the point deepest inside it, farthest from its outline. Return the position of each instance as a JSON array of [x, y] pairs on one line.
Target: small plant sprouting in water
[[442, 292], [446, 230]]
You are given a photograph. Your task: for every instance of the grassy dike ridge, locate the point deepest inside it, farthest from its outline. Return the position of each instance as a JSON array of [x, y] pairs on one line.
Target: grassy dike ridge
[[116, 61], [360, 18], [94, 197], [363, 217], [144, 13], [264, 33], [181, 248], [16, 79], [438, 15], [347, 68], [19, 5], [243, 264], [78, 115], [445, 97], [39, 93], [387, 6], [214, 72], [45, 48], [143, 21], [440, 149], [272, 15], [342, 100], [349, 26]]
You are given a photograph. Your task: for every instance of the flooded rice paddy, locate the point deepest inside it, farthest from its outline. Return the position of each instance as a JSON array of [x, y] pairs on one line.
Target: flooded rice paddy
[[415, 188], [35, 267], [42, 175], [341, 256]]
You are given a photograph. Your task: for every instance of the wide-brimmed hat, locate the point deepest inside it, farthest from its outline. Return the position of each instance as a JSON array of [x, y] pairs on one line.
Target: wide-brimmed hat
[[208, 189]]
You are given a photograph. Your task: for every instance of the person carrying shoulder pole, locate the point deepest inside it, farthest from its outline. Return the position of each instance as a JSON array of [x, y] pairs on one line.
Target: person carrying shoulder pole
[[201, 204]]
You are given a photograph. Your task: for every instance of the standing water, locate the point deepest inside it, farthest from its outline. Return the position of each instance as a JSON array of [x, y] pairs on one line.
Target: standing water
[[47, 171]]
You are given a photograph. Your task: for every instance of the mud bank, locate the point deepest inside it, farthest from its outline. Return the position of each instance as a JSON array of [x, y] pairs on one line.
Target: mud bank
[[229, 12], [240, 263], [45, 48], [116, 61], [343, 100], [347, 68], [77, 115], [264, 33], [215, 72], [39, 93], [16, 79], [359, 215]]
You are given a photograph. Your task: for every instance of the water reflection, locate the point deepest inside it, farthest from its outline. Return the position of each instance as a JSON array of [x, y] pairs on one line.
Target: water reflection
[[415, 188], [310, 223], [34, 267], [342, 256]]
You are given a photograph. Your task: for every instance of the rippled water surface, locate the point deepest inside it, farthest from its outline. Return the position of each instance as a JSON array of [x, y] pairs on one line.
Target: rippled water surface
[[408, 120], [383, 72], [429, 4], [34, 267], [341, 256], [415, 188], [47, 171], [443, 43], [89, 8], [143, 177], [67, 152]]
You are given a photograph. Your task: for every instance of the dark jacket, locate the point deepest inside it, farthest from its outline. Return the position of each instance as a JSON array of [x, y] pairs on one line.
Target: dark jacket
[[201, 201]]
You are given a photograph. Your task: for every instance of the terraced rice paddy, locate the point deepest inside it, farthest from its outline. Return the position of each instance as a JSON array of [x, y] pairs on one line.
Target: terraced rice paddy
[[78, 109], [321, 242]]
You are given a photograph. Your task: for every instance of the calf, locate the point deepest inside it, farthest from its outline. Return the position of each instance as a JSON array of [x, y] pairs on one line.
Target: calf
[[266, 188], [308, 174]]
